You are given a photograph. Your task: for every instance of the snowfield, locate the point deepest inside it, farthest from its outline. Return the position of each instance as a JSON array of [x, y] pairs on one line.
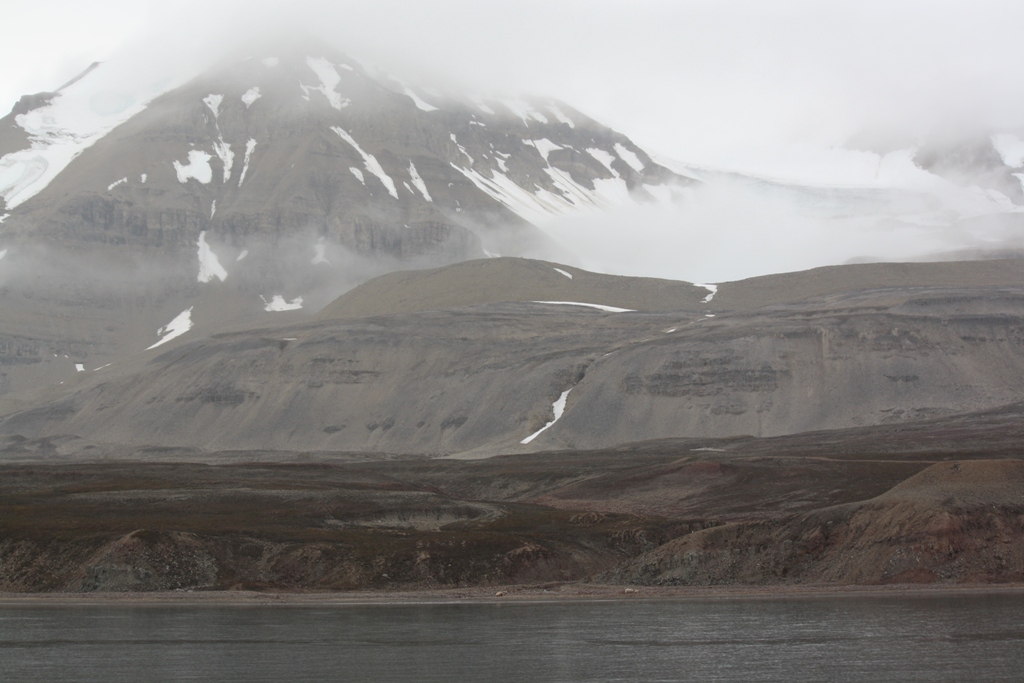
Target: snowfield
[[74, 120], [198, 168], [181, 324]]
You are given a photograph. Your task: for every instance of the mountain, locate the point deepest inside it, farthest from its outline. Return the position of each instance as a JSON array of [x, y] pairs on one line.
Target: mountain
[[292, 323], [513, 355], [270, 183]]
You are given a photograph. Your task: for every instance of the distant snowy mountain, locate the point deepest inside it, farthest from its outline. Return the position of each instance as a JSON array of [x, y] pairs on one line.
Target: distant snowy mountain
[[937, 182], [930, 200]]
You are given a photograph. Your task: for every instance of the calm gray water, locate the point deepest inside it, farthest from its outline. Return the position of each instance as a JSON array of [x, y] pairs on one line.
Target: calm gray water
[[821, 639]]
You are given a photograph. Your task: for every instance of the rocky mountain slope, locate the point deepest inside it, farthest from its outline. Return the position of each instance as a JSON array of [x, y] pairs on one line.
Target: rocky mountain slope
[[541, 360], [136, 207]]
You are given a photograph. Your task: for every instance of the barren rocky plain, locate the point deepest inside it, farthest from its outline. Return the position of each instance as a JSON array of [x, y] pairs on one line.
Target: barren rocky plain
[[850, 426]]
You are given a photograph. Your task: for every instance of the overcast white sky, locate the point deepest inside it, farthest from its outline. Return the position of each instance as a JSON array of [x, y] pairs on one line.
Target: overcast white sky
[[769, 86], [714, 81]]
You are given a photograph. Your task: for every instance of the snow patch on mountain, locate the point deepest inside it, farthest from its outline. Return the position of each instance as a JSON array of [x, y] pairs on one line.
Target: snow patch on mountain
[[571, 192], [540, 205], [198, 167], [277, 303], [250, 146], [713, 289], [82, 113], [226, 156], [562, 118], [544, 146], [358, 174], [605, 158], [600, 307], [607, 192], [209, 265], [524, 110], [629, 157], [418, 182], [114, 184], [369, 161], [181, 324], [213, 102], [420, 104], [329, 80], [481, 105], [530, 206], [251, 95], [558, 407], [143, 178], [461, 148], [567, 274]]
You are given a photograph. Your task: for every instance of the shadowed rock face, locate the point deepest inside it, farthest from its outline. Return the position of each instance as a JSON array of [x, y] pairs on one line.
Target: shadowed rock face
[[477, 380]]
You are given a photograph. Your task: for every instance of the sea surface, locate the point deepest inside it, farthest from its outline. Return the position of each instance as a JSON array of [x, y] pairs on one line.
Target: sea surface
[[892, 638]]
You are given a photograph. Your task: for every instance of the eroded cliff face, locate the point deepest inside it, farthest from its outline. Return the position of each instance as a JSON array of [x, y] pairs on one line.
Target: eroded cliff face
[[955, 522]]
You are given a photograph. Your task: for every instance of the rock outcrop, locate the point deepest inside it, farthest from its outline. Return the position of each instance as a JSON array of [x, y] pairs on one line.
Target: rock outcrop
[[954, 522]]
